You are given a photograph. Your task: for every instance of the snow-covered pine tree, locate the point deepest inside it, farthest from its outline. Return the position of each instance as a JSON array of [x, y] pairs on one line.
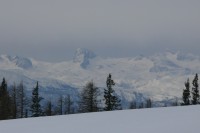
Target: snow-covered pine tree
[[195, 90], [36, 107], [186, 93], [112, 102]]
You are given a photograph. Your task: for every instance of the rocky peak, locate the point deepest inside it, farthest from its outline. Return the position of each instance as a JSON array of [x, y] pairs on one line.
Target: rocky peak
[[24, 63], [83, 57]]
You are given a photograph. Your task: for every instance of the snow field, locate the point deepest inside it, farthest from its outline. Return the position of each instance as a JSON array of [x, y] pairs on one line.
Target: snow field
[[156, 120]]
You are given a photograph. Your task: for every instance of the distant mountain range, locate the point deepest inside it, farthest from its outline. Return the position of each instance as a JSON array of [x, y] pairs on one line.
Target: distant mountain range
[[160, 77]]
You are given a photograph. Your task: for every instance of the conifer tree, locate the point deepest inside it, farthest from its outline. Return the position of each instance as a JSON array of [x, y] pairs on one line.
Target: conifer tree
[[68, 105], [195, 90], [141, 105], [48, 110], [18, 100], [36, 107], [89, 102], [14, 101], [133, 105], [148, 103], [59, 108], [5, 102], [111, 101], [186, 93], [22, 100]]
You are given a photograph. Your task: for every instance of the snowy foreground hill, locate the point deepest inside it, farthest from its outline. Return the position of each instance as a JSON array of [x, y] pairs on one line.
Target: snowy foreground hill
[[160, 77], [157, 120]]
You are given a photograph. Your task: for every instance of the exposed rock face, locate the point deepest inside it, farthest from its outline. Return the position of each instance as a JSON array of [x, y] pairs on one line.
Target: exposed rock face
[[24, 63], [83, 57]]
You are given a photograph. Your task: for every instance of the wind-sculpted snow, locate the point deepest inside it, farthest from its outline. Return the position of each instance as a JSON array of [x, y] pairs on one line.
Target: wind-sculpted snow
[[158, 120], [159, 77]]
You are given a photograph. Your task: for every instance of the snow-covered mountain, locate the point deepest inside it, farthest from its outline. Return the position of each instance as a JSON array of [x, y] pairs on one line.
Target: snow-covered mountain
[[15, 61], [160, 77], [83, 57]]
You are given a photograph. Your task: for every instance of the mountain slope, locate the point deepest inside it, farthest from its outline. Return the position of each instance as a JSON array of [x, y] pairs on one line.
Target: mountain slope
[[160, 77], [157, 120]]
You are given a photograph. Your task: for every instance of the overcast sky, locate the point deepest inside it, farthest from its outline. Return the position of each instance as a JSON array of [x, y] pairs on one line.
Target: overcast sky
[[53, 29]]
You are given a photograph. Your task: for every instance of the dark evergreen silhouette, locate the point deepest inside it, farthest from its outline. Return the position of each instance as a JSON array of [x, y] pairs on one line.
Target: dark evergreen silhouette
[[5, 102], [35, 106], [195, 90], [59, 107], [48, 109], [133, 105], [68, 105], [22, 100], [88, 97], [148, 103], [186, 93], [141, 105], [112, 102], [14, 101], [18, 101]]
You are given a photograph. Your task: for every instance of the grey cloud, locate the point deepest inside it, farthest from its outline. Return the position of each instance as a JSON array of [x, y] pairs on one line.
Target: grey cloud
[[62, 26]]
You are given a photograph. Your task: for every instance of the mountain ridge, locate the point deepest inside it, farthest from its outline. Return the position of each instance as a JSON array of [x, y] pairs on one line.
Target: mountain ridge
[[159, 77]]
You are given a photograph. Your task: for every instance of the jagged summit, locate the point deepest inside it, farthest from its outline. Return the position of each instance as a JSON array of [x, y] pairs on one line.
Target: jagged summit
[[83, 56], [157, 76], [21, 62]]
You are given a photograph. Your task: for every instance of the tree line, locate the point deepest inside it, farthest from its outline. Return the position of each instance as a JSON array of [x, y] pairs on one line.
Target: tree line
[[15, 104], [191, 95], [12, 104]]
